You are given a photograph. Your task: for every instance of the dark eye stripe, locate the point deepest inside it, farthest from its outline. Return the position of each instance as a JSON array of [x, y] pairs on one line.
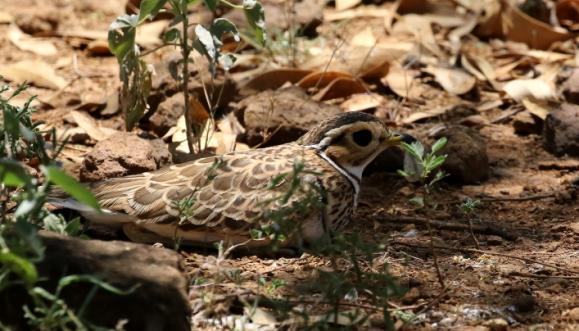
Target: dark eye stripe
[[362, 137]]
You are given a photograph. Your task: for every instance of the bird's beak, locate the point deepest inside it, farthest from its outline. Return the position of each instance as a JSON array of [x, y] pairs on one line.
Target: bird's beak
[[397, 138]]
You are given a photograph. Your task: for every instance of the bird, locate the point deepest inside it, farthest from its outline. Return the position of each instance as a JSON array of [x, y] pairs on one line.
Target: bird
[[236, 197]]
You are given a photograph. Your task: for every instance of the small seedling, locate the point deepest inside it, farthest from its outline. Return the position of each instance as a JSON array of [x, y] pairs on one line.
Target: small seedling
[[467, 208], [420, 168]]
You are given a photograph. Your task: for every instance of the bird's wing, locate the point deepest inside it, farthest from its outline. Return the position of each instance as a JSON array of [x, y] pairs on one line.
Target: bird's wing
[[231, 190]]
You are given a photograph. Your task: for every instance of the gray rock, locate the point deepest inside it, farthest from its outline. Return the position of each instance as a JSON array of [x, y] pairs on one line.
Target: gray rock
[[561, 130], [123, 154]]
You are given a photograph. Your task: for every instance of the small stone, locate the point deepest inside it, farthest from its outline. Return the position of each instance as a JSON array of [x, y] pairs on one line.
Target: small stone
[[467, 160], [561, 130], [123, 154], [497, 324], [574, 227], [525, 123]]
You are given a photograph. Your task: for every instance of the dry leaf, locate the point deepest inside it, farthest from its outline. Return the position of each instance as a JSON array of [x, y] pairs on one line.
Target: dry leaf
[[6, 18], [331, 15], [321, 79], [364, 38], [520, 89], [417, 116], [345, 4], [38, 73], [420, 27], [403, 82], [274, 79], [28, 43], [149, 34], [536, 107], [453, 80], [90, 126], [364, 101], [521, 27], [340, 88]]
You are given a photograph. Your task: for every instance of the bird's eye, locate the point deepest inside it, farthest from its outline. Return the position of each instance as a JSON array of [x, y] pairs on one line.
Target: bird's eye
[[362, 137]]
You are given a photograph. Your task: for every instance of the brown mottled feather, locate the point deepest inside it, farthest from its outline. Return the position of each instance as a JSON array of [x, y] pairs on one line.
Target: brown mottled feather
[[227, 191]]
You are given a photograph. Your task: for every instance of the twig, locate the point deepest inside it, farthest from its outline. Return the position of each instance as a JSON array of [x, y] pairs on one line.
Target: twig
[[435, 257], [523, 274], [527, 198], [480, 251], [452, 226]]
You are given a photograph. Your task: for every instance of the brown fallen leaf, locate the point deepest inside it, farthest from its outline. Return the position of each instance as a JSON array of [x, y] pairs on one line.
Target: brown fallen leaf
[[90, 126], [537, 88], [98, 48], [273, 79], [28, 43], [364, 101], [320, 79], [35, 72], [521, 27], [404, 82], [331, 15], [340, 88], [538, 108], [346, 4], [453, 80], [420, 115], [6, 18]]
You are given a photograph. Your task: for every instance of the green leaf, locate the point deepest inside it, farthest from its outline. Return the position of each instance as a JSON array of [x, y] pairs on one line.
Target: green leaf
[[20, 266], [439, 144], [70, 186], [13, 174], [222, 26], [227, 60], [255, 16], [207, 46], [211, 4], [411, 149], [71, 279], [149, 9], [121, 36], [436, 162]]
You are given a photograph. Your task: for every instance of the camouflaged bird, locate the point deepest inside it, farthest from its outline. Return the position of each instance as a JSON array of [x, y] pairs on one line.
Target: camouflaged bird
[[229, 195]]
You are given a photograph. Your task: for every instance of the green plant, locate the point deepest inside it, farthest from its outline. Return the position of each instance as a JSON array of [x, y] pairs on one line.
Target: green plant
[[355, 277], [134, 73], [22, 213], [420, 168], [468, 208]]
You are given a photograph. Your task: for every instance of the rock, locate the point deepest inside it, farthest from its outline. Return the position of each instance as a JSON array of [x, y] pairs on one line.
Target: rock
[[286, 114], [167, 114], [124, 154], [411, 296], [159, 302], [561, 130], [467, 160], [571, 88], [525, 123], [497, 324]]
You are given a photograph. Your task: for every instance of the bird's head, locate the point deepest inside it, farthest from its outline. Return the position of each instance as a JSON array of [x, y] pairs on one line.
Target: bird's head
[[352, 140]]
